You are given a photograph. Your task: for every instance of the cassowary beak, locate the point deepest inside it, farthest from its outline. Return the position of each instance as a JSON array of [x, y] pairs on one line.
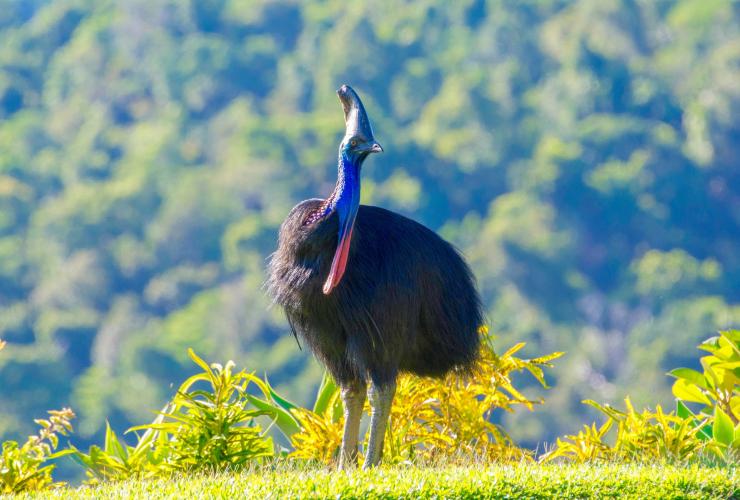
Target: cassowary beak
[[374, 148]]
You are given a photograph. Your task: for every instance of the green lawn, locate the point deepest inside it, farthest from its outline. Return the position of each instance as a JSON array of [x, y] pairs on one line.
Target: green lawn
[[493, 481]]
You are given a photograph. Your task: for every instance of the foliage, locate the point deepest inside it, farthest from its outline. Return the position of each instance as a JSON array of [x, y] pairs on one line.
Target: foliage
[[681, 435], [213, 429], [640, 437], [430, 418], [717, 388], [199, 430], [318, 435], [24, 468], [473, 480], [116, 460], [452, 416], [210, 426]]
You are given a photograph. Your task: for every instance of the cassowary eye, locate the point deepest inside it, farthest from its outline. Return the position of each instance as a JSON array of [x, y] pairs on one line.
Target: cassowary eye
[[353, 143]]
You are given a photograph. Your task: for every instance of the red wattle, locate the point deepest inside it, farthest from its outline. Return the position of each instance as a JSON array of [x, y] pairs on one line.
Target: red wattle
[[338, 263]]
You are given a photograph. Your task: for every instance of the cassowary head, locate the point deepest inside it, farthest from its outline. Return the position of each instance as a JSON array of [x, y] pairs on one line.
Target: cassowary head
[[358, 139], [357, 144]]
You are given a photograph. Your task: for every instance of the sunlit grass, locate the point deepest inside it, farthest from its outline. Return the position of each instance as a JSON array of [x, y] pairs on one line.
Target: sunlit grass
[[476, 481]]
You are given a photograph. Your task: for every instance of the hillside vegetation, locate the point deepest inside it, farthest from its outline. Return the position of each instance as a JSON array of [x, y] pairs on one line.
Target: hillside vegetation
[[583, 156]]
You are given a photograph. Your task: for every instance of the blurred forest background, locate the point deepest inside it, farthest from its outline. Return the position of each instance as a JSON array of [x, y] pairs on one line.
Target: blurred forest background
[[583, 155]]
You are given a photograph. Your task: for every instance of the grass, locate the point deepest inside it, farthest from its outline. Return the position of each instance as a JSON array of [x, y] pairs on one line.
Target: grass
[[489, 481]]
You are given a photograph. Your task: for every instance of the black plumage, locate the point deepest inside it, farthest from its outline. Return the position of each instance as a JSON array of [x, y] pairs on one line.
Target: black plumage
[[406, 302]]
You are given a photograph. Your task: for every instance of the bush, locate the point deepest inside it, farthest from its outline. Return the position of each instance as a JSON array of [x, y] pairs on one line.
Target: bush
[[211, 423], [640, 437], [200, 429], [677, 436], [717, 388], [430, 418], [22, 467]]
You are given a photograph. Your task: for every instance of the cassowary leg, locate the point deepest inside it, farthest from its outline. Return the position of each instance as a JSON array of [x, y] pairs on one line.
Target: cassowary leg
[[381, 398], [353, 397]]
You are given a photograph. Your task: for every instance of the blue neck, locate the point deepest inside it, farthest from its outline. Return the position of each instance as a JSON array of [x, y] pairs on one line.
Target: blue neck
[[346, 201], [346, 196]]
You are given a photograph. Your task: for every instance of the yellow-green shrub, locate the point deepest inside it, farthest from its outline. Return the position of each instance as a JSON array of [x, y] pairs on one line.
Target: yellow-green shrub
[[430, 418], [200, 429], [639, 437], [717, 388], [681, 435], [22, 467]]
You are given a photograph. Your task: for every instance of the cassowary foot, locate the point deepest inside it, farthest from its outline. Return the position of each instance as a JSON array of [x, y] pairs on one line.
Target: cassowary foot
[[353, 397], [381, 398]]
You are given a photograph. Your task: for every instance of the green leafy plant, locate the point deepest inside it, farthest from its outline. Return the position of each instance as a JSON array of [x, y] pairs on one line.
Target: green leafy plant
[[682, 435], [588, 445], [116, 460], [717, 388], [430, 418], [22, 468], [199, 429], [640, 437], [319, 433]]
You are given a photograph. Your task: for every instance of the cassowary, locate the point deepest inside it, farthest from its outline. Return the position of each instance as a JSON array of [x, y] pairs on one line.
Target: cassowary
[[372, 293]]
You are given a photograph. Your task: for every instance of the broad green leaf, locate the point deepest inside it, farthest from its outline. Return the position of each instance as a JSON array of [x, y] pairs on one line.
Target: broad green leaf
[[284, 403], [722, 429], [735, 406], [733, 336], [145, 442], [726, 352], [705, 432], [327, 389], [688, 392], [730, 345], [690, 375], [682, 411], [731, 374], [287, 424], [710, 345], [729, 365], [112, 444]]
